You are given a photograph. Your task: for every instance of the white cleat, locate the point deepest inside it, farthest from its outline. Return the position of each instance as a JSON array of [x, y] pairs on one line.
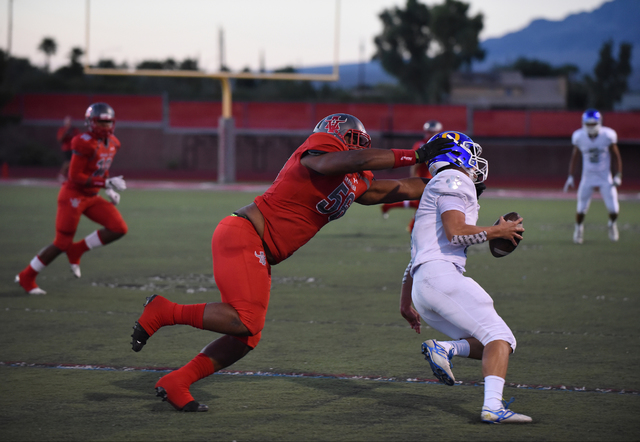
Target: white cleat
[[613, 231], [75, 269], [578, 234], [33, 291], [503, 416], [439, 360]]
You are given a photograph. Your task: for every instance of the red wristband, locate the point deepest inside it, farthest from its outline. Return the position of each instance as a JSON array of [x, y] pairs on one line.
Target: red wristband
[[403, 157]]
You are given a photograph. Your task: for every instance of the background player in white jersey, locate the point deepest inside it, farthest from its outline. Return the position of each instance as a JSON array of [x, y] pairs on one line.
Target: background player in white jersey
[[448, 301], [598, 146]]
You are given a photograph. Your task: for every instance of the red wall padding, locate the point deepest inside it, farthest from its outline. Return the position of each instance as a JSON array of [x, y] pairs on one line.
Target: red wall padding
[[146, 109], [553, 123], [411, 118], [302, 116], [194, 114], [54, 106], [499, 123], [259, 115], [626, 124]]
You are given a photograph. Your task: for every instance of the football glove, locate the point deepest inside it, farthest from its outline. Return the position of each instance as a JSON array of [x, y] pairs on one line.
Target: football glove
[[569, 184], [113, 196], [115, 183], [617, 179], [432, 149]]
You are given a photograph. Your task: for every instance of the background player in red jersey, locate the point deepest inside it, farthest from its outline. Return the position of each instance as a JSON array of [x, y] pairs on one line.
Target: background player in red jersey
[[318, 183], [64, 137], [430, 128], [93, 153]]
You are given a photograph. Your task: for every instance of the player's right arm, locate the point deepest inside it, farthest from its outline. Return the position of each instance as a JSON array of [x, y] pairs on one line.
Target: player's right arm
[[350, 161], [455, 226]]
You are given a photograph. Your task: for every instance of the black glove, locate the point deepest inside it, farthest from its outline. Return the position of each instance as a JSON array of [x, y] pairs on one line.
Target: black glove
[[432, 149], [480, 187]]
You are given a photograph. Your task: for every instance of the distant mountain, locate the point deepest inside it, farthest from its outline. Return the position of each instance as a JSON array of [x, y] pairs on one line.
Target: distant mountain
[[356, 74], [576, 40]]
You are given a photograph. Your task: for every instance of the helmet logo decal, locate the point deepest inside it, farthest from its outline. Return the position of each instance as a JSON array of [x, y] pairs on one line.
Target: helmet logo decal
[[333, 124], [452, 135]]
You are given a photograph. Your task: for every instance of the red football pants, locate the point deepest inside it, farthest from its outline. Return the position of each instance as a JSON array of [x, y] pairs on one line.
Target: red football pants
[[73, 204], [242, 273]]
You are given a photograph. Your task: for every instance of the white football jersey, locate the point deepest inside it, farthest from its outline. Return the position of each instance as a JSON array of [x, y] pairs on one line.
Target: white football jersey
[[595, 151], [448, 190]]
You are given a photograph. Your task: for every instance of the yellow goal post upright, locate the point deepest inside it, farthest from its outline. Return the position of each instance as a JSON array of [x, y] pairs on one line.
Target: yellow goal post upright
[[226, 125]]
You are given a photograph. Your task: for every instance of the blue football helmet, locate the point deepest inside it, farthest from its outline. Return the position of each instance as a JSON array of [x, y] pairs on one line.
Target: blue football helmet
[[591, 121], [347, 129], [464, 153]]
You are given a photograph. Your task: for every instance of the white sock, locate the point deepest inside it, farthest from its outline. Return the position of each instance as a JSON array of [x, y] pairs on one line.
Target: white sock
[[493, 386], [460, 348], [36, 264], [93, 240]]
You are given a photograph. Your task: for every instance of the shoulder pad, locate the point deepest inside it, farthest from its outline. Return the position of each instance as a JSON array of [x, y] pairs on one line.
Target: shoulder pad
[[453, 184]]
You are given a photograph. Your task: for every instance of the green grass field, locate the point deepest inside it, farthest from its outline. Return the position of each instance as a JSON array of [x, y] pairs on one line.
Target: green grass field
[[333, 311]]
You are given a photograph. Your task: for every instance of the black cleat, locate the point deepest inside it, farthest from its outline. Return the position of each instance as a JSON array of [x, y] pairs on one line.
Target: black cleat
[[192, 406], [140, 335]]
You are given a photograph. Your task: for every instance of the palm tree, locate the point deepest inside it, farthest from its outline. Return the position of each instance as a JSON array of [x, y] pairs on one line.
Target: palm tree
[[49, 47]]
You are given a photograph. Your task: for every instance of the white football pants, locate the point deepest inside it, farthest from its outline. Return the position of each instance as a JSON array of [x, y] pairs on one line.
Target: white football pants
[[609, 192], [456, 305]]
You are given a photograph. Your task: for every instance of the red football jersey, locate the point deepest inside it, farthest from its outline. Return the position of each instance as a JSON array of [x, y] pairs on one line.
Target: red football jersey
[[90, 162], [301, 201]]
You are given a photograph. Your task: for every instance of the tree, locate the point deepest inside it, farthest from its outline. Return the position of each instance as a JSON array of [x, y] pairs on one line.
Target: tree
[[611, 75], [537, 68], [49, 46], [456, 36], [422, 46], [402, 47]]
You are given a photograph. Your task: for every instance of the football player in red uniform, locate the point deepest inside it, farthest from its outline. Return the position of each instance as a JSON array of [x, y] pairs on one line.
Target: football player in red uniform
[[430, 128], [93, 153], [318, 183]]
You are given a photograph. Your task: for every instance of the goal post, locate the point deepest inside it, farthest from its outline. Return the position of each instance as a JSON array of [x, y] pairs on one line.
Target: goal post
[[226, 125]]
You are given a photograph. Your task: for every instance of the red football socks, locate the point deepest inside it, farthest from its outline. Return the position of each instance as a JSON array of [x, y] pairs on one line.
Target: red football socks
[[161, 312], [28, 278], [75, 251], [177, 383]]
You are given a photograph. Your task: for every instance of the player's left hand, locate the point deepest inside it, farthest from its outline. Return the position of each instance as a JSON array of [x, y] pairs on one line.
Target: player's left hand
[[617, 179], [412, 317], [432, 149], [113, 196]]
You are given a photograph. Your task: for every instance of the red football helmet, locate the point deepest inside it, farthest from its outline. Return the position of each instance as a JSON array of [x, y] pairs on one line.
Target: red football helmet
[[347, 129], [100, 113]]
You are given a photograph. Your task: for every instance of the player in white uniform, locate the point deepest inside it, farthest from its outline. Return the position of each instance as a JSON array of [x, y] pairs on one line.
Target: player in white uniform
[[598, 146], [448, 301]]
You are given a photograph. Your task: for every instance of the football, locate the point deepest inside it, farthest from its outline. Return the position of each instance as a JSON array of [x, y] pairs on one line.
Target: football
[[500, 247]]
